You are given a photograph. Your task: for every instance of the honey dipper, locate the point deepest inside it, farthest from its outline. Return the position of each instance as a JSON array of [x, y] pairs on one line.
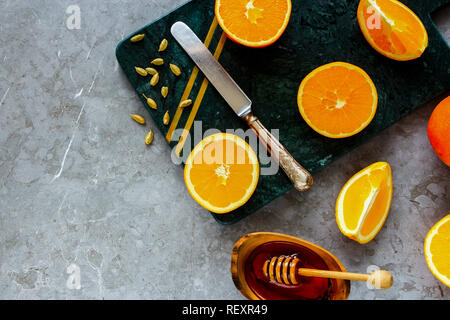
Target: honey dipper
[[283, 270]]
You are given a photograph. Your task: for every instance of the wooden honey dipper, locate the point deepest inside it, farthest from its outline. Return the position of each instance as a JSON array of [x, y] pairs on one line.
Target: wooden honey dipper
[[283, 270]]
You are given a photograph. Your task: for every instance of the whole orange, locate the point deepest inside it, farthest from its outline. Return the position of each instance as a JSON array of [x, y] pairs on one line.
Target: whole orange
[[439, 130]]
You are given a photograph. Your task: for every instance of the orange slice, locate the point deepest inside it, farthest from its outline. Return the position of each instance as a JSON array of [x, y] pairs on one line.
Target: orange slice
[[337, 100], [392, 29], [364, 201], [437, 250], [253, 23], [221, 173]]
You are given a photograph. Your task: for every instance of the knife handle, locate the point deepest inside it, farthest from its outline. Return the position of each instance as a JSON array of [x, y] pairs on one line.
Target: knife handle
[[299, 176]]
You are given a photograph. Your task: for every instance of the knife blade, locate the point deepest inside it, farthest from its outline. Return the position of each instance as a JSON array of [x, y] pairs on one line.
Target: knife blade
[[215, 73], [239, 102]]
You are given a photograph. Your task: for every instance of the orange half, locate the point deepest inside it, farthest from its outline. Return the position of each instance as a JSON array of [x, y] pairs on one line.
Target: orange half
[[337, 100], [221, 173], [392, 29], [437, 250], [253, 23]]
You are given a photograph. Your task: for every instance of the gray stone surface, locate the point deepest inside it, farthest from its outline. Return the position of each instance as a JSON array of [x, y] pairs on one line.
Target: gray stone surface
[[78, 186]]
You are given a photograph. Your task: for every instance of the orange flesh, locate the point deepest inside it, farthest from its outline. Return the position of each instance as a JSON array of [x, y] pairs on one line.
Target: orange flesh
[[338, 100], [253, 22], [438, 252], [392, 29], [222, 172], [354, 201], [356, 197], [379, 206], [440, 249], [364, 201]]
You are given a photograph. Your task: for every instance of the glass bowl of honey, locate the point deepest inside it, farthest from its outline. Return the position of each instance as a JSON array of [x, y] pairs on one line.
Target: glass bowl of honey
[[258, 279]]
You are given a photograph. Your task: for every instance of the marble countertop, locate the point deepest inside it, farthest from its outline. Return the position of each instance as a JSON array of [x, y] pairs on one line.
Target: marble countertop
[[81, 194]]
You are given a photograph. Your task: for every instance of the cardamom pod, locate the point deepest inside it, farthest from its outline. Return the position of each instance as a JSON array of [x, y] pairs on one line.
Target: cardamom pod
[[141, 71], [158, 62], [164, 91], [155, 79], [151, 71], [139, 119], [137, 37], [166, 118], [151, 103], [163, 45], [176, 71], [185, 103], [149, 137]]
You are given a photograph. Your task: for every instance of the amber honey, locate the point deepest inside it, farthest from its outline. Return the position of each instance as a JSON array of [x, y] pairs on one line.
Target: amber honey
[[307, 288]]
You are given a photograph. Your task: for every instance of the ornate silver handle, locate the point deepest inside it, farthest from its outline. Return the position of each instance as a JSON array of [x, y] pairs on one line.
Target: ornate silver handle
[[299, 176]]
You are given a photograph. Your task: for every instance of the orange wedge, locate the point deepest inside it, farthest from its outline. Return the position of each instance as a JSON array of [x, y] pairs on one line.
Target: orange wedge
[[437, 250], [364, 201], [253, 23], [392, 29], [221, 173], [337, 100]]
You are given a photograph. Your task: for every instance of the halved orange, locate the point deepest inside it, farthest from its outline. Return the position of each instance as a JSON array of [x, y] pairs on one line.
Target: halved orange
[[363, 203], [437, 250], [253, 23], [222, 172], [392, 29], [337, 100]]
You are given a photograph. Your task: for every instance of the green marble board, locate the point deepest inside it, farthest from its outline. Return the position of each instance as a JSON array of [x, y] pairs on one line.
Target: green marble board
[[319, 32]]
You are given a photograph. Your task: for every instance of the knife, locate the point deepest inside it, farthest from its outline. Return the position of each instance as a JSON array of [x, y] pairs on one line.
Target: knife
[[239, 102]]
